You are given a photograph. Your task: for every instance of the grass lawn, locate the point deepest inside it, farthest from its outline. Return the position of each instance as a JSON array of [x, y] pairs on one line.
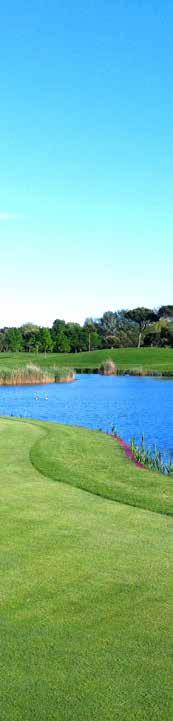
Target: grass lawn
[[86, 581], [153, 359]]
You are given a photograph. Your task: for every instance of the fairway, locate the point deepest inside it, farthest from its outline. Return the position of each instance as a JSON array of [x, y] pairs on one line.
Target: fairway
[[86, 584], [147, 359]]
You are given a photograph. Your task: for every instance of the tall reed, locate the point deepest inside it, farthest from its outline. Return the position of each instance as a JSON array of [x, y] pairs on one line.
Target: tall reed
[[34, 375], [29, 375], [151, 459], [108, 368], [64, 375]]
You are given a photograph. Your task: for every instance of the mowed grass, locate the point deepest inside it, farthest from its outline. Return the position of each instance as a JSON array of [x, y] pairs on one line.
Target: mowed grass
[[147, 359], [86, 582], [96, 463]]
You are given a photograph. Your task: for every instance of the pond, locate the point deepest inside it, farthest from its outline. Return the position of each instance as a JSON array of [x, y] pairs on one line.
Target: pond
[[134, 405]]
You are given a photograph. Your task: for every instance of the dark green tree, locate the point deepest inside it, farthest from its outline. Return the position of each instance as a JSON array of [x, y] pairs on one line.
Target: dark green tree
[[61, 343], [13, 340], [3, 341], [45, 342], [57, 327], [30, 334], [75, 337], [166, 311]]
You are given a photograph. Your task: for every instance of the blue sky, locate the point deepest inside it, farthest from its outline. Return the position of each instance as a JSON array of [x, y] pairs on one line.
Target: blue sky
[[86, 157]]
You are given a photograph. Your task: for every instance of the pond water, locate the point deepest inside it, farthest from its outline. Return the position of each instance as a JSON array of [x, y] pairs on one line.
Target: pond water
[[134, 405]]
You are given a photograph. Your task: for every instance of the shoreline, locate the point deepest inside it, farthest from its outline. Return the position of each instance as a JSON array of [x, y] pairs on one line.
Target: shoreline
[[128, 452], [127, 372], [94, 371], [37, 383]]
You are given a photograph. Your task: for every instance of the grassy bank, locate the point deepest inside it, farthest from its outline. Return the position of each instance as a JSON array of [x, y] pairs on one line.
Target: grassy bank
[[147, 360], [86, 582], [96, 463]]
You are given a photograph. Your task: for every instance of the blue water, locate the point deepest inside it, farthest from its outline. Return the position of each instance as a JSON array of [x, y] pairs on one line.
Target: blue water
[[133, 405]]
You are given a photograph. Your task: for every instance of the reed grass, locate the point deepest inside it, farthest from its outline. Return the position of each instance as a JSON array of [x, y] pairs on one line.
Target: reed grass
[[108, 368], [64, 375], [34, 375], [151, 459]]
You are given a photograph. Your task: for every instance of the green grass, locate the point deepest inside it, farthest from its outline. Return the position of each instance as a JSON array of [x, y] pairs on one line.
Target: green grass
[[148, 359], [86, 582], [96, 463]]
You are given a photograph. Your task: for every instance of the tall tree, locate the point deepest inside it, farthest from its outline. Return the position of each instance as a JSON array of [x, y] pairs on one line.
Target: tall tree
[[45, 341], [91, 334], [143, 317], [108, 323], [58, 325], [30, 336], [61, 343]]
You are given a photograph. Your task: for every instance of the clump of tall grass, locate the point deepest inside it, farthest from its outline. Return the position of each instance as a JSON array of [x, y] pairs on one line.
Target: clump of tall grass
[[64, 375], [108, 368], [34, 375], [29, 375], [151, 459]]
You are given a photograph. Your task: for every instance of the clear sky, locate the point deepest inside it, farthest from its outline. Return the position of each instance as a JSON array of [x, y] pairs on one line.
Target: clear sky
[[86, 157]]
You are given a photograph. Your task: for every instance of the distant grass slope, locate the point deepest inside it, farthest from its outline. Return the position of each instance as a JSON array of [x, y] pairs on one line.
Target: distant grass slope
[[86, 584], [153, 359]]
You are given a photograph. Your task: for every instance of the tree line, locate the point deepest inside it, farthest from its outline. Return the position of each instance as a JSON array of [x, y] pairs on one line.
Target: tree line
[[119, 329]]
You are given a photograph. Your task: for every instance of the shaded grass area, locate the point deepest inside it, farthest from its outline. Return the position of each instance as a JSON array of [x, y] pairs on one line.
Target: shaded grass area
[[86, 590], [135, 359]]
